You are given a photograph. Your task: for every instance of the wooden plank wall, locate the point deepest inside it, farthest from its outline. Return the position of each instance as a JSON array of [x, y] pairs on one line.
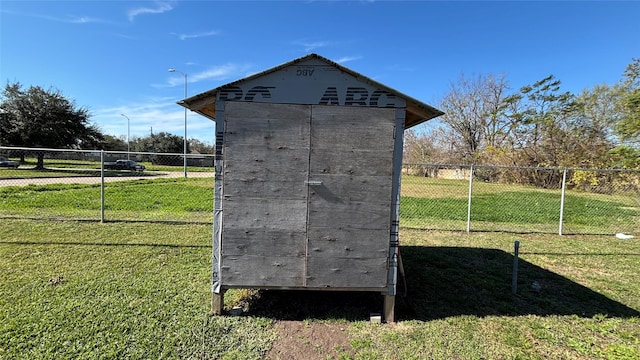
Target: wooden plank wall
[[307, 195], [265, 196], [349, 213]]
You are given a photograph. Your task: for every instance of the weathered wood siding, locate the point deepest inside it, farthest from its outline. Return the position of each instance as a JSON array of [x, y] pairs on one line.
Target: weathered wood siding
[[266, 164], [306, 195], [349, 213]]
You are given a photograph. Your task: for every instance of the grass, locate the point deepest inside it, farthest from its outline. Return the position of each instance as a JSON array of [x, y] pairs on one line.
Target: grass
[[175, 199], [142, 290], [459, 303], [83, 289], [119, 290], [442, 204]]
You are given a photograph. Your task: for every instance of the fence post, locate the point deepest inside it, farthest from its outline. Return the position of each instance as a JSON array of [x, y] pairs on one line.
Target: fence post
[[102, 186], [514, 279], [564, 185], [469, 201]]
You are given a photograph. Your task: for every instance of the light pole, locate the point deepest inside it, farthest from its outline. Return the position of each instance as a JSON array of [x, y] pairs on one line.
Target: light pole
[[185, 119], [128, 142]]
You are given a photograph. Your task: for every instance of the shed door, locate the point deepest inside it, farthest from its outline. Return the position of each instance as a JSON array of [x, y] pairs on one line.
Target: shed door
[[350, 177], [307, 195], [264, 210]]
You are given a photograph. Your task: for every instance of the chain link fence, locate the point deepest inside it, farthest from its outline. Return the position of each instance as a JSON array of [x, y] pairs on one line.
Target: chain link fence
[[105, 185], [97, 185], [520, 199]]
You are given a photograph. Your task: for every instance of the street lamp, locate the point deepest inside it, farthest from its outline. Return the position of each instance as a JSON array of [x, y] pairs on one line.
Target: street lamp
[[128, 142], [185, 119]]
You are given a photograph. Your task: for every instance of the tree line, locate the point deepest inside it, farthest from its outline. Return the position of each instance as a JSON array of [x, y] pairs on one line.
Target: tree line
[[45, 118], [161, 142], [537, 126]]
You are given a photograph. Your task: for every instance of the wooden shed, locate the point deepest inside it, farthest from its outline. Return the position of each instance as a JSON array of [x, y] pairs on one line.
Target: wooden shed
[[307, 187]]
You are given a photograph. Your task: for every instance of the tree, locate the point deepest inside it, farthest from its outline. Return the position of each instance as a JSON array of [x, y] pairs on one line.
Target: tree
[[474, 112], [200, 146], [418, 147], [112, 143], [36, 117], [5, 126], [161, 142], [541, 124], [629, 125], [591, 136]]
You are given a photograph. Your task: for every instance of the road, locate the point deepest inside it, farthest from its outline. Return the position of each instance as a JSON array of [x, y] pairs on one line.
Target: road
[[96, 179]]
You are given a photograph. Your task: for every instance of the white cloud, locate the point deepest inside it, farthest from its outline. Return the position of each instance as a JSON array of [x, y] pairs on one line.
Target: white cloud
[[221, 72], [226, 71], [312, 45], [69, 19], [161, 7], [345, 59], [84, 20], [197, 35]]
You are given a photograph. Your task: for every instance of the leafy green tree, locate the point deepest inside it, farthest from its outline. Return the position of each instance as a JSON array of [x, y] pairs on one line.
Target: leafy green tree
[[624, 157], [161, 142], [629, 125], [5, 126], [36, 117], [590, 136], [543, 122], [114, 143], [200, 146]]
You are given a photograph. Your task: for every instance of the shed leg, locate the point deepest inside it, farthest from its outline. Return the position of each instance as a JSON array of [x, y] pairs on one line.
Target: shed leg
[[217, 303], [389, 308]]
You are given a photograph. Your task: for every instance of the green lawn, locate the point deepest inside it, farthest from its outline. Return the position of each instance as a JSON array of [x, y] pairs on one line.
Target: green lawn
[[119, 290], [175, 199], [439, 204], [142, 290]]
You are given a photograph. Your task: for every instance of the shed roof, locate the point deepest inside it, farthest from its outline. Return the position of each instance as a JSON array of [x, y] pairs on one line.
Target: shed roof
[[416, 111]]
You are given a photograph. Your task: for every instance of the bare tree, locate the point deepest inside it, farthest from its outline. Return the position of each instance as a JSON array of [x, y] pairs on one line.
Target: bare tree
[[474, 112]]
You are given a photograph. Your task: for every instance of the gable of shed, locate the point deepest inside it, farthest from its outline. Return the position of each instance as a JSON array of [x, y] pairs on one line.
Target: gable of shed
[[312, 80]]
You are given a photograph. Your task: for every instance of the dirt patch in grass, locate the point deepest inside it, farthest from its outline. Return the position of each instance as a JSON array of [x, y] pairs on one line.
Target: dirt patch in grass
[[310, 341]]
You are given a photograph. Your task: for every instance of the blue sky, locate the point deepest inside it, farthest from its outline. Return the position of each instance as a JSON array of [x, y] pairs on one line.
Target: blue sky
[[112, 56]]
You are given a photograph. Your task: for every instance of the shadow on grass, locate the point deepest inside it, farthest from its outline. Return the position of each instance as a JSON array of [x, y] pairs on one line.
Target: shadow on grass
[[449, 281]]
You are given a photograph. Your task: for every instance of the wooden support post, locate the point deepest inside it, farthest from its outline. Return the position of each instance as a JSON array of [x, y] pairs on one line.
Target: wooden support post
[[389, 308], [217, 303]]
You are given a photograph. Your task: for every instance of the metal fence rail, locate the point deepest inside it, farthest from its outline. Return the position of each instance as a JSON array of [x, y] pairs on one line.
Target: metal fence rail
[[86, 185], [520, 199], [76, 185]]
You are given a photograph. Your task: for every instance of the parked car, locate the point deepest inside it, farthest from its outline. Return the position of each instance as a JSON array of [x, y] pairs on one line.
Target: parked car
[[124, 165], [4, 162]]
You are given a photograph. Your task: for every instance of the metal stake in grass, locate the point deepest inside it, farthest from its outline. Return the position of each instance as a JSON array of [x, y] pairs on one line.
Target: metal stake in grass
[[514, 281]]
